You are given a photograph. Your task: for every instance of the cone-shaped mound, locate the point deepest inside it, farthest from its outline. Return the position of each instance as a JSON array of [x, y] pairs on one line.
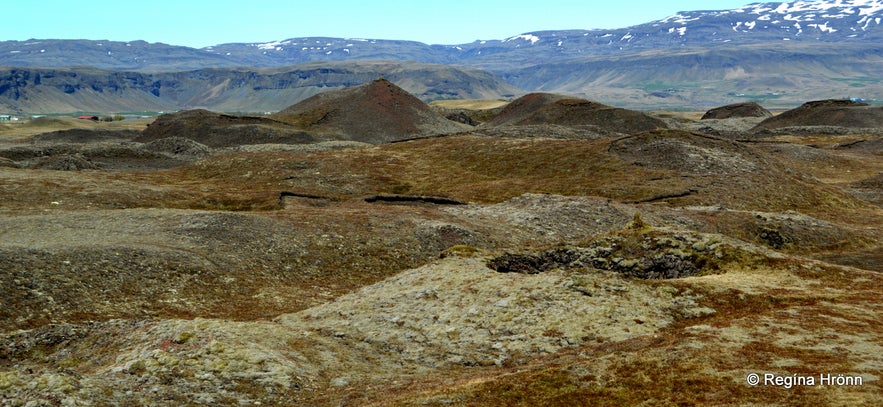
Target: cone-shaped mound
[[376, 112], [547, 108], [222, 130], [749, 109], [840, 113]]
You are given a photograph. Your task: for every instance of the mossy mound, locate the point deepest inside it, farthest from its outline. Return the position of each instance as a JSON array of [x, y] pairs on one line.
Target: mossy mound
[[737, 110], [222, 130], [831, 112], [547, 108]]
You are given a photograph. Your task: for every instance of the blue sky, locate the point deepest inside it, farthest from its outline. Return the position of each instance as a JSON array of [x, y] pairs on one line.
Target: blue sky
[[204, 23]]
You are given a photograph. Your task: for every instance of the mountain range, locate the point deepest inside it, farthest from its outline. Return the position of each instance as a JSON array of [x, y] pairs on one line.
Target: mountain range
[[778, 53]]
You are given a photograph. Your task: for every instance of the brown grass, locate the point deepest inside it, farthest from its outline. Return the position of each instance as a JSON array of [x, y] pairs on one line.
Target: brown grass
[[467, 168]]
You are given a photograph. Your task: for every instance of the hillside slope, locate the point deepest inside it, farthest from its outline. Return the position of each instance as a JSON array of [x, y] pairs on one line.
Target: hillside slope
[[773, 75], [66, 90], [845, 22]]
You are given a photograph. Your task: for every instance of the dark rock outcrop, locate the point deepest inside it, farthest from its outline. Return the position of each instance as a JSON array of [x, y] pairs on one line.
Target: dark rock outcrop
[[643, 255], [437, 200], [461, 117]]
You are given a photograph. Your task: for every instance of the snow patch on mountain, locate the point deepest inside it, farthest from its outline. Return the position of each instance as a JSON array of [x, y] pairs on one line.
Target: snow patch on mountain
[[525, 37], [842, 7], [823, 27], [275, 45], [680, 30], [801, 11], [790, 18], [679, 19]]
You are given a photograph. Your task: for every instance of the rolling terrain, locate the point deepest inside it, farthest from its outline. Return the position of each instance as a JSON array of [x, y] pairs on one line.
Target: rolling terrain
[[533, 259], [517, 222]]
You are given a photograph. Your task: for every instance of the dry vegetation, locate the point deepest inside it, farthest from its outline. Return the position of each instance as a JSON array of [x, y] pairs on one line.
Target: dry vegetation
[[659, 268]]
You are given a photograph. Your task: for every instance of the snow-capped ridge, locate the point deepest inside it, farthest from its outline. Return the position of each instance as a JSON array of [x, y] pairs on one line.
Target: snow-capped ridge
[[848, 19]]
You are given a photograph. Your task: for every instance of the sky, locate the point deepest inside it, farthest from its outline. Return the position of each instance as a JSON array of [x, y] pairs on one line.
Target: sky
[[198, 24]]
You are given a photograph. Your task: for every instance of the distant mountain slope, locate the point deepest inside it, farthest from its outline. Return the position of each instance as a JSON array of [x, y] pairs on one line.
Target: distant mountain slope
[[779, 53], [60, 90], [771, 74], [853, 22], [826, 21], [103, 54]]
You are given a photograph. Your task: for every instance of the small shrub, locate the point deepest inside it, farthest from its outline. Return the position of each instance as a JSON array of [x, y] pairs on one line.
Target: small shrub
[[638, 222]]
